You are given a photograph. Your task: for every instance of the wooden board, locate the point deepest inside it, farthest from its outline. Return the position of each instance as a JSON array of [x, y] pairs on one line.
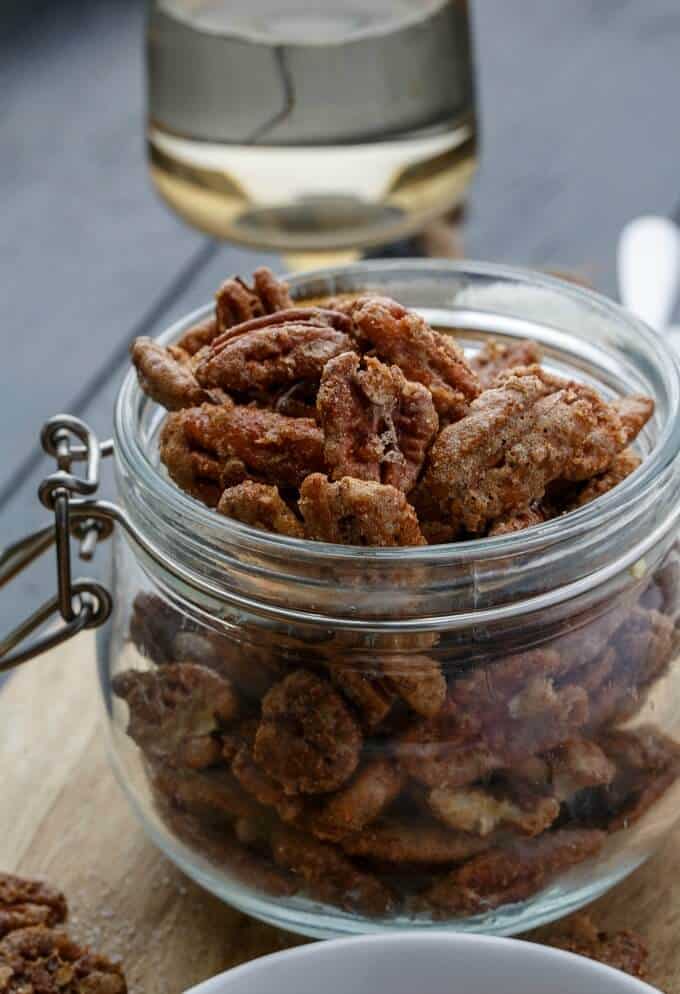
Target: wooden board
[[64, 818]]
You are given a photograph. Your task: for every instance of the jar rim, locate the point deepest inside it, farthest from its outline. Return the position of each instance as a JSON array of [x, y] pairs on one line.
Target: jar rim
[[191, 512]]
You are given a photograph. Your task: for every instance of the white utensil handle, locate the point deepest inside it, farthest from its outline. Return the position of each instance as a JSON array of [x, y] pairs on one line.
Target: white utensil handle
[[649, 269]]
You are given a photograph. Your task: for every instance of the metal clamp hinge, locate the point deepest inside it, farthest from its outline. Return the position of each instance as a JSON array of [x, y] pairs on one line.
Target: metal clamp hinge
[[81, 603]]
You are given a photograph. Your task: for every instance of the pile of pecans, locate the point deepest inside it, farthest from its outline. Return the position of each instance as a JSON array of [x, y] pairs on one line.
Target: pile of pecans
[[356, 423], [36, 955]]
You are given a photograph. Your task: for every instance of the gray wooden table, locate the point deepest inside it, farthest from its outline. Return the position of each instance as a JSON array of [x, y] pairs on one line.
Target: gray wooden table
[[579, 124]]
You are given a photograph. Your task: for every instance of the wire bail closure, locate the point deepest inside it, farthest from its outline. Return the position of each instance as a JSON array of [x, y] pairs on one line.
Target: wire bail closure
[[81, 603]]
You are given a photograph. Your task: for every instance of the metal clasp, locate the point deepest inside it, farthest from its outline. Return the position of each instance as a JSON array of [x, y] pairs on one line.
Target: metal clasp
[[81, 603]]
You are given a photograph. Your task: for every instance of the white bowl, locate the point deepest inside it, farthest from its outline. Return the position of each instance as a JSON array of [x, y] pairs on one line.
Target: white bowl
[[434, 963]]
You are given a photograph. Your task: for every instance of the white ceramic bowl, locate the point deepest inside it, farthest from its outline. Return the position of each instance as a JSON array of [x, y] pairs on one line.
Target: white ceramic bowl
[[414, 963]]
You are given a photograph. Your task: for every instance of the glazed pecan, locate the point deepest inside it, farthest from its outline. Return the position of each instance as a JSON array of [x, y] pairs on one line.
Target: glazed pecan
[[307, 740], [42, 961], [401, 337], [418, 680], [28, 902], [204, 447], [485, 810], [360, 802], [401, 840], [371, 696], [377, 425], [198, 336], [260, 360], [330, 877], [175, 712], [496, 357], [646, 763], [529, 429], [357, 512], [237, 302], [623, 950], [153, 627], [513, 872], [263, 788], [165, 377], [213, 795], [634, 411], [516, 521], [621, 466], [260, 506]]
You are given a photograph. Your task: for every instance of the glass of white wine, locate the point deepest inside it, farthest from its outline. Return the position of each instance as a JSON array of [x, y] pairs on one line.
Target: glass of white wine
[[311, 126]]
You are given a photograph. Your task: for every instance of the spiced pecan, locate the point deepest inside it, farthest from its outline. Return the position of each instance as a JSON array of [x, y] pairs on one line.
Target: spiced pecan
[[403, 338], [418, 680], [260, 506], [496, 357], [371, 696], [307, 740], [44, 961], [28, 902], [516, 521], [164, 377], [329, 875], [360, 802], [260, 360], [634, 412], [204, 446], [199, 336], [511, 873], [401, 840], [357, 512], [529, 429], [176, 710], [485, 810], [153, 627], [377, 425], [621, 466], [237, 302], [622, 950], [212, 795]]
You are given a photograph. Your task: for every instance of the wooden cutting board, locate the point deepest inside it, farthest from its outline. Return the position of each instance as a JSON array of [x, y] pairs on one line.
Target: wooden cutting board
[[64, 818]]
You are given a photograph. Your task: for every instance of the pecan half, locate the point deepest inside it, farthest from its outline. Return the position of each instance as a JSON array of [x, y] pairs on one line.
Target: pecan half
[[529, 429], [28, 902], [402, 337], [357, 512], [307, 739], [260, 506], [397, 840], [237, 302], [377, 425], [496, 357], [165, 377], [360, 802], [176, 710], [43, 961]]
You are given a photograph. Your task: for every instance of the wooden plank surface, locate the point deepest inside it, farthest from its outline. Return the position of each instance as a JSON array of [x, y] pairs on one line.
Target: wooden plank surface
[[63, 817]]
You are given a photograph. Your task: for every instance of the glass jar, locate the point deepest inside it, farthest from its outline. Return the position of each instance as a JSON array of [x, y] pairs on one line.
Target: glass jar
[[482, 736]]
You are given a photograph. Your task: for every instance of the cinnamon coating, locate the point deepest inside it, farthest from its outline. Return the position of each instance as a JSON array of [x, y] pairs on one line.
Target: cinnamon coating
[[166, 379], [260, 506], [529, 429], [377, 425], [357, 512], [236, 302], [496, 357]]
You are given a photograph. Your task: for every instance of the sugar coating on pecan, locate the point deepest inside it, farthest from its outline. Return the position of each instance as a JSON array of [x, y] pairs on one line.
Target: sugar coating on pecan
[[263, 788], [513, 872], [401, 840], [357, 512], [193, 465], [621, 466], [199, 336], [45, 961], [360, 802], [622, 950], [329, 875], [175, 710], [165, 378], [485, 810], [259, 361], [24, 903], [237, 302], [445, 752], [372, 697], [377, 425], [307, 739], [529, 429], [403, 338], [319, 317], [214, 795], [495, 357], [260, 506], [634, 411], [209, 443]]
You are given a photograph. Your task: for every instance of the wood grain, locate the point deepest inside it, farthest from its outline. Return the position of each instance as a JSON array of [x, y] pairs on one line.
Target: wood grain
[[64, 818]]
